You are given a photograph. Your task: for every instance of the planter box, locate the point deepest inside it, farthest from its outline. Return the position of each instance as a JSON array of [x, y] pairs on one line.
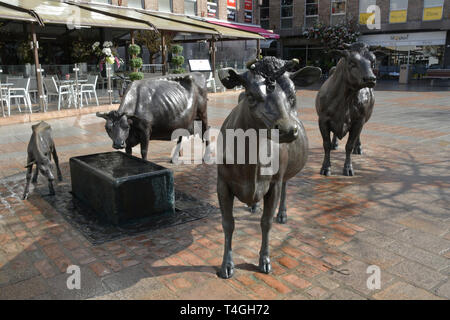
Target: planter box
[[121, 188]]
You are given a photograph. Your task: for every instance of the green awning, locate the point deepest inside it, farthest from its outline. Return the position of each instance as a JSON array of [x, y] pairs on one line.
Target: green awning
[[55, 12], [14, 14], [159, 23], [224, 32]]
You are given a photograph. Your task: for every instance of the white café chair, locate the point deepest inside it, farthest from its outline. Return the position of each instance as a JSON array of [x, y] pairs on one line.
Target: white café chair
[[53, 89], [19, 90], [89, 88]]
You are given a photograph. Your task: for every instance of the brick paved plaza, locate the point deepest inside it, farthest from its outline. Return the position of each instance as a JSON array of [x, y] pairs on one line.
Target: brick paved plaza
[[393, 214]]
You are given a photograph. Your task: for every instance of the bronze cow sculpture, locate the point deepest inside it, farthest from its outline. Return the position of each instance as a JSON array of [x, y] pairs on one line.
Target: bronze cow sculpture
[[269, 103], [152, 109], [345, 102], [40, 150]]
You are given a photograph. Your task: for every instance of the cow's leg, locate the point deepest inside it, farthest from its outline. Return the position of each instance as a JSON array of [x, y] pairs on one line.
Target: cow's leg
[[58, 169], [254, 207], [334, 143], [128, 149], [358, 149], [50, 187], [282, 216], [326, 164], [177, 152], [353, 135], [226, 199], [35, 176], [205, 138], [271, 199], [27, 186], [145, 139]]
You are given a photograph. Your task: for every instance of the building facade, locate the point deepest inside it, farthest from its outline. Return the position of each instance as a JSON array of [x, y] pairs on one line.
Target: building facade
[[401, 25]]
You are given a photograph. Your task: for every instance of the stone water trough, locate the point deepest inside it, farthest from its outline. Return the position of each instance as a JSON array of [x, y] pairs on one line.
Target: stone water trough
[[121, 188]]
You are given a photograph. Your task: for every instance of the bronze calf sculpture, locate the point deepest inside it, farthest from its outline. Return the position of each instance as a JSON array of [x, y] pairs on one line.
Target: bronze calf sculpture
[[345, 102], [154, 108], [269, 103], [40, 150]]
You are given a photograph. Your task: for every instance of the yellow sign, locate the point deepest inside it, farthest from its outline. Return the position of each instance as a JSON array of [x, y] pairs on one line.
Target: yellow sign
[[397, 16], [364, 17], [430, 14]]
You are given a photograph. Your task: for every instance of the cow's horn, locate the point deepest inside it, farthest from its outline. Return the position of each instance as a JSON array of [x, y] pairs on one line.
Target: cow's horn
[[295, 61], [102, 115], [251, 64]]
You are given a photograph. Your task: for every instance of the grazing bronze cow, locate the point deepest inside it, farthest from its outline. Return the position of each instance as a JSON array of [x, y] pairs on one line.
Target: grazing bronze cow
[[40, 150], [154, 108], [345, 103], [269, 103]]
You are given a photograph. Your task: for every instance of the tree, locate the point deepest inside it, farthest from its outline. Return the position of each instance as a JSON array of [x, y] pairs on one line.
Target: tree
[[332, 37], [152, 41]]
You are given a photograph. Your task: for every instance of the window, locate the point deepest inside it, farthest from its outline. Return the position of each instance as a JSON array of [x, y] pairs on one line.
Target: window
[[264, 14], [432, 10], [363, 5], [311, 12], [287, 10], [165, 5], [212, 9], [138, 4], [102, 1], [190, 7], [338, 10], [231, 10], [398, 11]]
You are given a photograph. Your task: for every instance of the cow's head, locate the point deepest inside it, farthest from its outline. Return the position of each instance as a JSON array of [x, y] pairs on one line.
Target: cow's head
[[117, 126], [44, 165], [270, 92], [357, 65]]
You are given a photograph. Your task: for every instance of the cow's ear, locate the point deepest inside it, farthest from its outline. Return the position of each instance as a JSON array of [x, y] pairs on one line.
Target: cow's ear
[[230, 78], [130, 121], [102, 115], [306, 76]]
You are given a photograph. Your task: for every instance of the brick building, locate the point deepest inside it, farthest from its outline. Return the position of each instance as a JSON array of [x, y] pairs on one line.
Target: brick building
[[402, 24]]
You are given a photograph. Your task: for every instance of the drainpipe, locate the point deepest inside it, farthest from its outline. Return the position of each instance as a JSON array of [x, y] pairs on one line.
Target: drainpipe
[[212, 51], [163, 53]]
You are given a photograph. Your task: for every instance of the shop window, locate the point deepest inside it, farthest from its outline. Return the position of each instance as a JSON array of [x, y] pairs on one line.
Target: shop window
[[138, 4], [287, 10], [363, 5], [165, 5], [231, 10], [338, 11], [190, 7], [264, 14], [432, 10], [311, 12], [102, 1], [398, 11], [213, 9]]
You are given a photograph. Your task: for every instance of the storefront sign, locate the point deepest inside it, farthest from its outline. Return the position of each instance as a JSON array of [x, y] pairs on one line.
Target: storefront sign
[[397, 16], [364, 17], [248, 5], [434, 38], [248, 16], [430, 14], [231, 4]]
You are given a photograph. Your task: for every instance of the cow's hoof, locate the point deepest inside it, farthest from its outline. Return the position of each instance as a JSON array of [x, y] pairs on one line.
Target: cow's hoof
[[357, 150], [226, 270], [325, 171], [282, 217], [25, 196], [264, 265], [34, 180], [348, 171]]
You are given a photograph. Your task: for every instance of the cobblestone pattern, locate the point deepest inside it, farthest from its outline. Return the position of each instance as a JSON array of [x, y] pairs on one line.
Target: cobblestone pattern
[[393, 214]]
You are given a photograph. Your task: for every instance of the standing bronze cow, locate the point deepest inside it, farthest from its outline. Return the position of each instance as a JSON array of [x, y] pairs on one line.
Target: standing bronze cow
[[269, 103], [345, 103], [40, 150], [154, 108]]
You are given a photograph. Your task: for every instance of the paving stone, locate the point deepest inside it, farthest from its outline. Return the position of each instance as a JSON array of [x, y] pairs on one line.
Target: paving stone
[[26, 289], [418, 255], [404, 291], [125, 278], [422, 224], [371, 254], [345, 294], [423, 240], [444, 290], [417, 274]]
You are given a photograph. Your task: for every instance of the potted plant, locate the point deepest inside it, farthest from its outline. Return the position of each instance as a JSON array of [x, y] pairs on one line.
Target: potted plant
[[135, 62], [107, 55], [177, 59]]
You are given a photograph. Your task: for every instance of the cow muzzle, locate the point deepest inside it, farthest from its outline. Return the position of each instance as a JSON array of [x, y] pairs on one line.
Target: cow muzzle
[[119, 145], [370, 82], [287, 132]]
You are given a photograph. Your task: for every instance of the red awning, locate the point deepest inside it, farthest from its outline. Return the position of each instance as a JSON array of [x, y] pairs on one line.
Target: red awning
[[263, 32]]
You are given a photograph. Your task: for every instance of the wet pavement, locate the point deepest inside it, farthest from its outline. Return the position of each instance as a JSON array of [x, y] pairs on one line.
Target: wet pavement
[[392, 215]]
